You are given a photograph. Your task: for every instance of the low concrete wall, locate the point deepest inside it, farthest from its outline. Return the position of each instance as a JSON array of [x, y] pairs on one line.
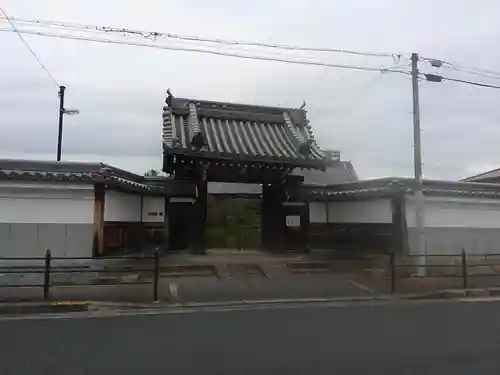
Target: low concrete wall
[[363, 237], [449, 240], [31, 240]]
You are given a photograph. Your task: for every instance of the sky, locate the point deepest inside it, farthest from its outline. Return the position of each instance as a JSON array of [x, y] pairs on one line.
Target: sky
[[367, 116]]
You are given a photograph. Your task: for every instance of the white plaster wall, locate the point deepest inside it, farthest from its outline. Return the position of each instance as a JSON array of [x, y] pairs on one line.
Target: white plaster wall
[[122, 207], [317, 212], [46, 203], [453, 212], [365, 211], [454, 224], [153, 209], [39, 216]]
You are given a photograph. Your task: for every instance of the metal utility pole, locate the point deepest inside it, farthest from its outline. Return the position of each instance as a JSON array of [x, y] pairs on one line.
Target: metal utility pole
[[61, 116], [417, 160]]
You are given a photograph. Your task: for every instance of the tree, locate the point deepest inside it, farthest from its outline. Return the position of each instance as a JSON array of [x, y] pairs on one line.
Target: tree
[[152, 172]]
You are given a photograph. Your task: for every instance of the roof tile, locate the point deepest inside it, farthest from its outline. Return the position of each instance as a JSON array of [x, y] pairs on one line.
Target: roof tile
[[267, 134]]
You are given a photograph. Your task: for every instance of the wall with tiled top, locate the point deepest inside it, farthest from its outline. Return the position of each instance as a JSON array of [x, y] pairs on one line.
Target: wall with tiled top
[[456, 212], [46, 203], [38, 216], [122, 207], [153, 209], [366, 211], [453, 224]]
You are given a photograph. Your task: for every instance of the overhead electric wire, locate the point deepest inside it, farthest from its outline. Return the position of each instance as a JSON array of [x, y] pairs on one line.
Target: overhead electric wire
[[485, 75], [15, 30], [210, 52], [431, 77], [155, 34], [471, 83], [92, 30], [475, 71]]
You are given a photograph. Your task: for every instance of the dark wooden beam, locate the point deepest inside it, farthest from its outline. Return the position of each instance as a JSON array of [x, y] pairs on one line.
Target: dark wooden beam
[[99, 199], [399, 224], [200, 214]]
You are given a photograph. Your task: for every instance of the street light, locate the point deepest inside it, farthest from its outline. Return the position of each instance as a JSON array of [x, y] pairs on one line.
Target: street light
[[71, 111], [62, 111]]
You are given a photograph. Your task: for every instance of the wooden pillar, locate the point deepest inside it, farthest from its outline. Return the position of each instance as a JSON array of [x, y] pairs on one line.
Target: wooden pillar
[[180, 223], [264, 218], [399, 225], [200, 212], [166, 218], [99, 198], [305, 227], [273, 217]]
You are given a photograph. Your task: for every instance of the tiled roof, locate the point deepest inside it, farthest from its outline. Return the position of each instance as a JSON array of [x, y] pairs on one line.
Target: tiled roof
[[48, 171], [339, 172], [240, 132], [387, 186], [490, 176]]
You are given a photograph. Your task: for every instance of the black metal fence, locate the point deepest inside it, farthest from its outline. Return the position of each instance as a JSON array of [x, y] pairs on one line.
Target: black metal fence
[[45, 268], [381, 274], [460, 271], [395, 273]]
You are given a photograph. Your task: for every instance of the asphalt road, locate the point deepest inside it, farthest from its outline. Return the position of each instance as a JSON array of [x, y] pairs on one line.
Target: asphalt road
[[416, 338]]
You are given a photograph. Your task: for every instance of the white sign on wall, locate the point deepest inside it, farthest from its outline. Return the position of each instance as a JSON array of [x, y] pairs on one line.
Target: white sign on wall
[[293, 221]]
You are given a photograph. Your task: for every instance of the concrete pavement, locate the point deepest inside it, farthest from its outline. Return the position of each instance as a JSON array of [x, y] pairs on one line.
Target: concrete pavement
[[413, 338], [203, 289]]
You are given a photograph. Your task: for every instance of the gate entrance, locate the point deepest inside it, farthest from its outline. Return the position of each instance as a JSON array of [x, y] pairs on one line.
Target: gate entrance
[[233, 222], [226, 142]]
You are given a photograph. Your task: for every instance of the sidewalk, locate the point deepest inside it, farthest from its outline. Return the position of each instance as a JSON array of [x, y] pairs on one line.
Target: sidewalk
[[201, 289]]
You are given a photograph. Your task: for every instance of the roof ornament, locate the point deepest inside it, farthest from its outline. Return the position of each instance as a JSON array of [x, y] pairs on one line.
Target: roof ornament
[[303, 105], [198, 141], [170, 98], [305, 148], [176, 142]]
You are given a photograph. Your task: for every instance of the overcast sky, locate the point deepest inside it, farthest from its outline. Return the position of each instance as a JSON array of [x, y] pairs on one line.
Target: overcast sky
[[367, 116]]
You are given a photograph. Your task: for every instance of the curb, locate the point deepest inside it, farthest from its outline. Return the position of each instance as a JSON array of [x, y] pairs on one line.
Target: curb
[[70, 306], [278, 301], [24, 308], [457, 293]]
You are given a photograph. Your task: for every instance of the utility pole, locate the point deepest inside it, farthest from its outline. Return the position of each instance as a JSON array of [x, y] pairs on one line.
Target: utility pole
[[61, 115], [417, 160]]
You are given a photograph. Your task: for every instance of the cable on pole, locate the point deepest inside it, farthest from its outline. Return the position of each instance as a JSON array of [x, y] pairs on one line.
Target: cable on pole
[[471, 83], [436, 63], [439, 78], [153, 35], [15, 30], [205, 51]]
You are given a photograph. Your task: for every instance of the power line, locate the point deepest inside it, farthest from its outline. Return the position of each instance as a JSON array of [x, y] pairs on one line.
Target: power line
[[439, 78], [471, 83], [100, 30], [14, 29], [204, 51], [157, 34], [476, 71]]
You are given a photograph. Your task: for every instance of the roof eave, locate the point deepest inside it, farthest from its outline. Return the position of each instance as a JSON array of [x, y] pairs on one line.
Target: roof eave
[[238, 158]]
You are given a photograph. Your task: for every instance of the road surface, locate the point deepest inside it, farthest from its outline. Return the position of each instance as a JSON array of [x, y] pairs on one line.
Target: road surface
[[412, 338]]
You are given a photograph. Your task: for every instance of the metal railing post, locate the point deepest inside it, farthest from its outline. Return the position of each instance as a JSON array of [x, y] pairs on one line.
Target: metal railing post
[[46, 276], [392, 260], [156, 276], [465, 275]]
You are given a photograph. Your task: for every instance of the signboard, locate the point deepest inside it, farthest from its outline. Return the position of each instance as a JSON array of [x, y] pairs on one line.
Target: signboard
[[293, 221]]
